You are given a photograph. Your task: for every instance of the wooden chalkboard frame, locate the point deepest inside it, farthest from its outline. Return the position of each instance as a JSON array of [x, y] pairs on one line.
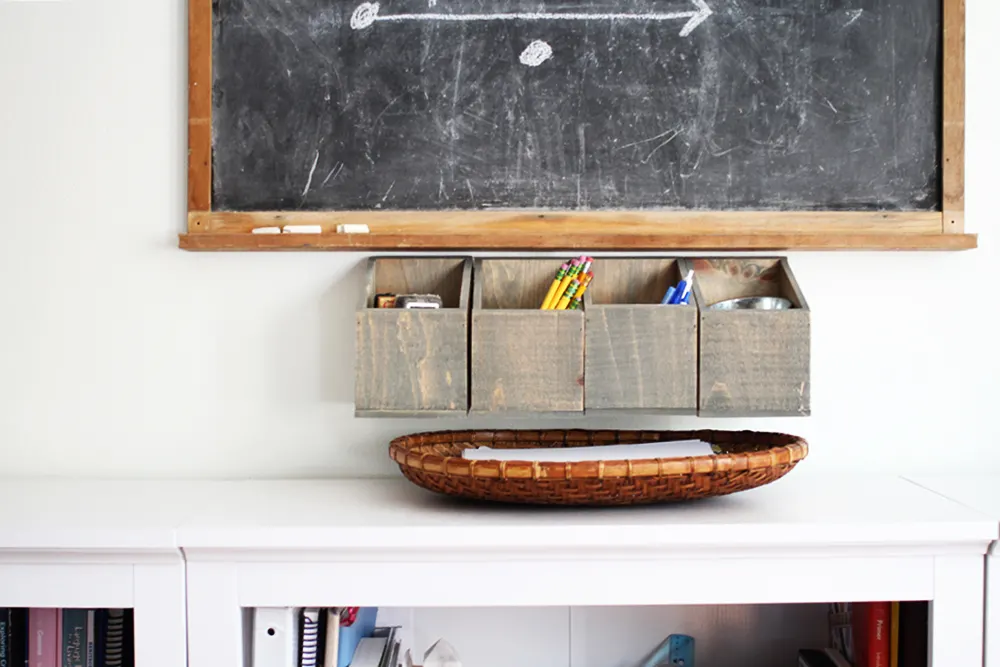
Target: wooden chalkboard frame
[[592, 230]]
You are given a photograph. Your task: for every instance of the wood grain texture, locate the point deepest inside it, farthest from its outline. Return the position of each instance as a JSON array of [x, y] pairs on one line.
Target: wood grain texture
[[633, 280], [754, 363], [448, 277], [581, 242], [411, 360], [524, 360], [642, 357], [199, 108], [527, 361], [624, 223], [751, 363], [639, 355], [512, 283], [953, 132], [722, 278]]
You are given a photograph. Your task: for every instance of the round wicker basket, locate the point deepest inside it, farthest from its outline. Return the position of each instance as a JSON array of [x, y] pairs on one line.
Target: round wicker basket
[[748, 459]]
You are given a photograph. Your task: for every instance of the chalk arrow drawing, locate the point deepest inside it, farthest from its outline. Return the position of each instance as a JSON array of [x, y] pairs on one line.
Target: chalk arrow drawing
[[367, 14]]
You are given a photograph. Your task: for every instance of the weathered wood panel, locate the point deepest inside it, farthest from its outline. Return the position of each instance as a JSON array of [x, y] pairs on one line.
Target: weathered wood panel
[[751, 363], [754, 363], [413, 362], [409, 360], [953, 134], [642, 357], [639, 355], [639, 280], [527, 361], [448, 277], [514, 283]]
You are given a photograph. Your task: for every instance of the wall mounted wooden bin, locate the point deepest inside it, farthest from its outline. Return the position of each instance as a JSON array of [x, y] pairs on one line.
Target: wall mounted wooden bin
[[414, 362], [640, 355], [524, 359], [751, 362]]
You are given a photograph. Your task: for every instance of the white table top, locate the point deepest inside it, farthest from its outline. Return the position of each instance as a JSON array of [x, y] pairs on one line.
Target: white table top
[[69, 514], [803, 509], [977, 491]]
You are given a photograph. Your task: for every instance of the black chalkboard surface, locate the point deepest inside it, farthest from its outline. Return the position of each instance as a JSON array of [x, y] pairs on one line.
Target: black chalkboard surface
[[585, 105]]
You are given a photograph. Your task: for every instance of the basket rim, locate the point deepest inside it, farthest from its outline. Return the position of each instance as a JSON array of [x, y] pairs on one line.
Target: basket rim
[[401, 450]]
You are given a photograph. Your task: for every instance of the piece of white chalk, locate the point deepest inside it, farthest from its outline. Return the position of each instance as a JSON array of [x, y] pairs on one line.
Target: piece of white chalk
[[267, 230], [353, 229], [302, 229]]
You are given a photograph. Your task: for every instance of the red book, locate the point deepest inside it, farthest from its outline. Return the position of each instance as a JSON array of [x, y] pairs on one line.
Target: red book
[[871, 623]]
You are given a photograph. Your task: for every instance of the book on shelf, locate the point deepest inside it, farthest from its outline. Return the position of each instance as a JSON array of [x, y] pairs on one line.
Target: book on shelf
[[55, 637], [870, 622], [14, 637], [879, 633]]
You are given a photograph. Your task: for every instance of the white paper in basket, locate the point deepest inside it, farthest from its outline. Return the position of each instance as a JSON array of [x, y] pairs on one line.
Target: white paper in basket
[[646, 450]]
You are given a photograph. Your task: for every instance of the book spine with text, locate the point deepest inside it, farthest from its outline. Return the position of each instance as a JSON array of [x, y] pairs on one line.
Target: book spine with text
[[17, 637], [74, 637], [879, 628], [43, 632]]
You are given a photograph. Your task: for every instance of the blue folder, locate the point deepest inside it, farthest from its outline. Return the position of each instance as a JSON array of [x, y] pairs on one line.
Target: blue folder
[[351, 635]]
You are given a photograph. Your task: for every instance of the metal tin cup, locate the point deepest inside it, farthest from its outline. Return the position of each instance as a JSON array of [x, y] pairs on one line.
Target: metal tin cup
[[753, 303]]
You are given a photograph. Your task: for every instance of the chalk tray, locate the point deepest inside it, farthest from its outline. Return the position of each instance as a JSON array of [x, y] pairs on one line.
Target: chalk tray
[[748, 459]]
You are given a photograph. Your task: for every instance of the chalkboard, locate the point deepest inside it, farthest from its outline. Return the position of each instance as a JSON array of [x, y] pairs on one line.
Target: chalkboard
[[727, 105]]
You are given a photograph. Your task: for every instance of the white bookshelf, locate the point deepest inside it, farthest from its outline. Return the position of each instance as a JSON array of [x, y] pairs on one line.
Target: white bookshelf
[[192, 558], [97, 545], [980, 492], [804, 539]]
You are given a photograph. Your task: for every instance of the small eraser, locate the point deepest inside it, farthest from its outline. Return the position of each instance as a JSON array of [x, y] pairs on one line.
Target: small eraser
[[353, 229], [267, 230], [302, 229]]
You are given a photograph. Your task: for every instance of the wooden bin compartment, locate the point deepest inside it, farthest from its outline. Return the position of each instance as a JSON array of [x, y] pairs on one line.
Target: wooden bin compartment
[[640, 355], [414, 362], [524, 359], [751, 362]]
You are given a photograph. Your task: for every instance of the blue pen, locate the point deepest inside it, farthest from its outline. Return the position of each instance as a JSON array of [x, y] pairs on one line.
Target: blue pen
[[683, 289], [679, 294], [669, 295]]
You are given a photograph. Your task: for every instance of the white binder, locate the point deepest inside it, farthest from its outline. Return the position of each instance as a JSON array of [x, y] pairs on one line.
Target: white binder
[[309, 652], [276, 637]]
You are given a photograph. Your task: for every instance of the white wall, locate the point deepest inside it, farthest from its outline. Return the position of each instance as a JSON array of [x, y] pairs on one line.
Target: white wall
[[122, 355]]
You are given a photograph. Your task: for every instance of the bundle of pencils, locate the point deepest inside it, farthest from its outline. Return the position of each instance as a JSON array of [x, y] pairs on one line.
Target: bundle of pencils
[[571, 281]]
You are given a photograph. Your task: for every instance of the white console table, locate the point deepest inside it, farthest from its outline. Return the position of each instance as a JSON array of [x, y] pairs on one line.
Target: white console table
[[805, 538], [214, 549]]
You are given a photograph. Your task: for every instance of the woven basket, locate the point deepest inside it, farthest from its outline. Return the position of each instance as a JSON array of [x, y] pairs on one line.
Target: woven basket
[[749, 459]]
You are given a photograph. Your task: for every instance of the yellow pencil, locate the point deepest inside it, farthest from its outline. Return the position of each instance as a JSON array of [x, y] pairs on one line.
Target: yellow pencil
[[556, 282], [574, 304], [570, 291], [573, 270]]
